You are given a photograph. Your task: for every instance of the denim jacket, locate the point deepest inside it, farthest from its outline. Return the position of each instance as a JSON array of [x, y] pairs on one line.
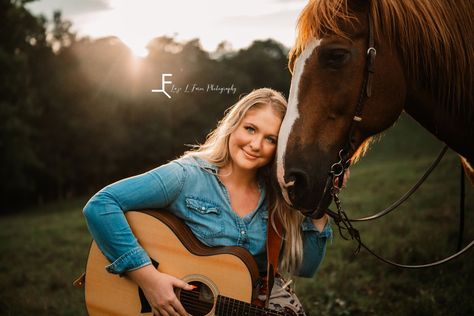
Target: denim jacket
[[189, 188]]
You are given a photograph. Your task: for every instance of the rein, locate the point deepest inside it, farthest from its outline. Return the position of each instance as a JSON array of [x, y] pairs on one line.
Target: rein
[[336, 175], [344, 224], [408, 193]]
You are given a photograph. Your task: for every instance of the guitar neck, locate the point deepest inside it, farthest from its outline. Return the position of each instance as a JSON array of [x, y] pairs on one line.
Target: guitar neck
[[229, 306], [200, 301]]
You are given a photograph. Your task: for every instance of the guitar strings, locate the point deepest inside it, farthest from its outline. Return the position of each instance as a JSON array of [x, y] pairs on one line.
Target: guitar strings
[[232, 306], [197, 304], [225, 302]]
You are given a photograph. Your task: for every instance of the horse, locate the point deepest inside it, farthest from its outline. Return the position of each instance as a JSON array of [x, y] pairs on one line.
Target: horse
[[356, 65]]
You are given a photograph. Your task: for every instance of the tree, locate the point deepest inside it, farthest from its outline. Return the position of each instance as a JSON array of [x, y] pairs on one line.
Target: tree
[[21, 36], [265, 65]]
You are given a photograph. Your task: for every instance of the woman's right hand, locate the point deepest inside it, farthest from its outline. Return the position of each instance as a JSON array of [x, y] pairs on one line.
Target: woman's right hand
[[158, 288]]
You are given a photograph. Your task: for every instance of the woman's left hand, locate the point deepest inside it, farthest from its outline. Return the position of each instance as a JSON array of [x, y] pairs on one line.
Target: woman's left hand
[[347, 175], [320, 223]]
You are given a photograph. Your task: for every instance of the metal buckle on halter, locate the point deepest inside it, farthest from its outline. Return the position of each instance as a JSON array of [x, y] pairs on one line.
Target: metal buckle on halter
[[338, 168], [370, 50], [337, 172], [371, 53]]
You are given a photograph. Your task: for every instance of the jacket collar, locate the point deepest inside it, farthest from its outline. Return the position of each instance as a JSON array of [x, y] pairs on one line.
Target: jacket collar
[[206, 164]]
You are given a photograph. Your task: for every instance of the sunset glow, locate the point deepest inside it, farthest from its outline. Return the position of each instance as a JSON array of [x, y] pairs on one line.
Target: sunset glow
[[212, 21]]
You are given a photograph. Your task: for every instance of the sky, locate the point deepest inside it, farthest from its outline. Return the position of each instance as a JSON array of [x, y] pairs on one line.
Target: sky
[[136, 22]]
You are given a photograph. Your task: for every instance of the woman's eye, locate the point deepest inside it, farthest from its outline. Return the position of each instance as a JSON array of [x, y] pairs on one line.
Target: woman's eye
[[271, 140], [250, 129], [334, 58]]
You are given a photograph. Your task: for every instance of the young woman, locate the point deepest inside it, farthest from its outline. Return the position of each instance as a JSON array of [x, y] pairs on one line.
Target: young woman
[[221, 190]]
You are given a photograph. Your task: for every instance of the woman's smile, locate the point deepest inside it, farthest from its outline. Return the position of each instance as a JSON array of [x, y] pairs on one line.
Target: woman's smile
[[250, 156]]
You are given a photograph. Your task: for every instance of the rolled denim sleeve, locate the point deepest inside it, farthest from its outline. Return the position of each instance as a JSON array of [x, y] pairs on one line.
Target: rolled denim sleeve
[[106, 221], [314, 247]]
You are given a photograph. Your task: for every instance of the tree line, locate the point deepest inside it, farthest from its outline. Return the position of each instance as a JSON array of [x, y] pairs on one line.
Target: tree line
[[77, 113]]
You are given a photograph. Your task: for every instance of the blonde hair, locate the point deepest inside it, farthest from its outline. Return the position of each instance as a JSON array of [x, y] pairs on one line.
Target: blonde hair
[[216, 151]]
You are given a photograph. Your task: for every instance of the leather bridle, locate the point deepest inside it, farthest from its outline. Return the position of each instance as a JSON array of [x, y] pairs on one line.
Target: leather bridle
[[338, 168], [337, 171]]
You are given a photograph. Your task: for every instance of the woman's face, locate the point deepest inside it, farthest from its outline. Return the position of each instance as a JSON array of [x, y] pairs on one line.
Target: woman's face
[[253, 144]]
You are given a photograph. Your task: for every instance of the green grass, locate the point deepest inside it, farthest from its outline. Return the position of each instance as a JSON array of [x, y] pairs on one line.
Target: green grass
[[44, 249], [422, 230]]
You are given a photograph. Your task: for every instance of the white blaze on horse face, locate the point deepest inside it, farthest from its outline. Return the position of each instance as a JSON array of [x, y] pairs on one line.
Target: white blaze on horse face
[[292, 115]]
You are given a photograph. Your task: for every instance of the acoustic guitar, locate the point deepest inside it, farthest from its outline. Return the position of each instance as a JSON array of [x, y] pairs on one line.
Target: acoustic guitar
[[225, 278]]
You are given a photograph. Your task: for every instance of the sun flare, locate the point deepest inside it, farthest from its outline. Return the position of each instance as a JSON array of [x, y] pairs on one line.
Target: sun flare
[[137, 45], [138, 22]]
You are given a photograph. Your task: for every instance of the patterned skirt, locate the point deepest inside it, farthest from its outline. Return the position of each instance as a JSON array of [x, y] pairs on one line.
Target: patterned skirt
[[283, 298]]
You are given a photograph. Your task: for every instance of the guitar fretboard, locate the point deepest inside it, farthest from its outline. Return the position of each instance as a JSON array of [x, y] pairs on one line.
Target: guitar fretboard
[[229, 307], [225, 306]]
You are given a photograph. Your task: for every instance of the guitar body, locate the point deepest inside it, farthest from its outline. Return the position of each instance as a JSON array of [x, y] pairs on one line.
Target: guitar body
[[224, 276]]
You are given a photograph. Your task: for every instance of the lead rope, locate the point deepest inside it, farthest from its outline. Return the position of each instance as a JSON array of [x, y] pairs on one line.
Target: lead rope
[[345, 226], [412, 190], [340, 218]]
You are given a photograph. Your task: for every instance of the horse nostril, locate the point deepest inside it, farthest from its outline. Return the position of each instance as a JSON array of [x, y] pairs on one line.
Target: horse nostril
[[299, 180], [291, 192]]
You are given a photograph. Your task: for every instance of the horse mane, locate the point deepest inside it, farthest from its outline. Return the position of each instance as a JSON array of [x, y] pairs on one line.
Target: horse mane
[[434, 38]]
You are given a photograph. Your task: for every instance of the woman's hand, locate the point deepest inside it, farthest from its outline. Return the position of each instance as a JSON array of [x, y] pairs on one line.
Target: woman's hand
[[347, 175], [159, 290], [320, 223]]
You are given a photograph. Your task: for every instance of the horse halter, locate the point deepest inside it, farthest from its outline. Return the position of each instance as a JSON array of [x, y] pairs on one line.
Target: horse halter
[[338, 169]]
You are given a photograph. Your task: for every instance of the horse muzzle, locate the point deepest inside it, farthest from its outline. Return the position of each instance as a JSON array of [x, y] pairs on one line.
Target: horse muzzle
[[305, 196]]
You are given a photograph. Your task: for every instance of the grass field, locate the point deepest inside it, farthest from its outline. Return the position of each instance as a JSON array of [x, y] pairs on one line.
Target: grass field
[[422, 230], [44, 249]]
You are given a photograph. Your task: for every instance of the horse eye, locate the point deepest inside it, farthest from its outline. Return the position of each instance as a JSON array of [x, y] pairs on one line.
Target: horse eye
[[334, 58]]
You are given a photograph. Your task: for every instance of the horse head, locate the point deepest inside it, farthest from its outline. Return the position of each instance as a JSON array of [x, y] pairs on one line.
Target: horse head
[[356, 65], [329, 69]]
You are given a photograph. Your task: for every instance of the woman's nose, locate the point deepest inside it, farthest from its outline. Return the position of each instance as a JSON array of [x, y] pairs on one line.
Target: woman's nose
[[255, 143]]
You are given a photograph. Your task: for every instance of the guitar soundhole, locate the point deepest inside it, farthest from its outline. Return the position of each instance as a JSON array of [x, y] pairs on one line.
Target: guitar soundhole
[[198, 302]]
